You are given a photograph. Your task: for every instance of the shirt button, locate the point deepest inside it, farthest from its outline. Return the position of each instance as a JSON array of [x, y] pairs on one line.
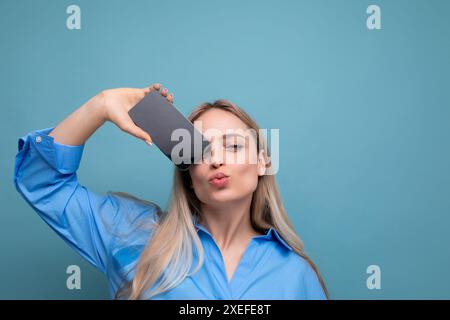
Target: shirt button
[[38, 139]]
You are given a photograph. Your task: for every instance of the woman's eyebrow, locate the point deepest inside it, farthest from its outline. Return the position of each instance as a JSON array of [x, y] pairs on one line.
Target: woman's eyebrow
[[233, 135], [227, 135]]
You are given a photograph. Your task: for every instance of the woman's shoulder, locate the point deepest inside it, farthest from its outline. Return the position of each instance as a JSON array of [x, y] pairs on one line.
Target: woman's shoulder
[[294, 261]]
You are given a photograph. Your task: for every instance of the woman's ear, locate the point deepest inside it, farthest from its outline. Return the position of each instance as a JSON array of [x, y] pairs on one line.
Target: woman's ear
[[261, 163]]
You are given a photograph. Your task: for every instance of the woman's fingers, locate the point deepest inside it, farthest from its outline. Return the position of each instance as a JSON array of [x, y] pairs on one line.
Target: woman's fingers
[[134, 130], [141, 134], [158, 87], [153, 87]]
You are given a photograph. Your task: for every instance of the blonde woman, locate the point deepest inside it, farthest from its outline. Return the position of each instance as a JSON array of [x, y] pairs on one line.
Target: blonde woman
[[220, 238]]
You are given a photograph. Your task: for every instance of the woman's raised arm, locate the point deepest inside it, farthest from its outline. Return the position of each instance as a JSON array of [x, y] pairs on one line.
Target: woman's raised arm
[[109, 105], [45, 174]]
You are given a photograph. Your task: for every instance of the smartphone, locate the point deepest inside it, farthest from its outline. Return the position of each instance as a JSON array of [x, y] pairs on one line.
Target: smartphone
[[170, 131]]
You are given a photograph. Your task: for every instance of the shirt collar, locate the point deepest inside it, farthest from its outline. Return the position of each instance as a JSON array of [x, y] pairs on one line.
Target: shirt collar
[[271, 234]]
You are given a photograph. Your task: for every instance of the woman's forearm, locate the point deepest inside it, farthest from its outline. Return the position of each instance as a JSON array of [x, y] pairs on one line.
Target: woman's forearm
[[80, 124], [109, 105]]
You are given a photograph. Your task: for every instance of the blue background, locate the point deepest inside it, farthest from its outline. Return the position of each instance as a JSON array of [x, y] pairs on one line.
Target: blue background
[[363, 118]]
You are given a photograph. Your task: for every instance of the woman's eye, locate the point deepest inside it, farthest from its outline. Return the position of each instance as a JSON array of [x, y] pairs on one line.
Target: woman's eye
[[234, 146]]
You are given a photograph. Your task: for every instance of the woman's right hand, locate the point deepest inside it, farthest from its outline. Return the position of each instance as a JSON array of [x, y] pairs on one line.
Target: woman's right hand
[[117, 102]]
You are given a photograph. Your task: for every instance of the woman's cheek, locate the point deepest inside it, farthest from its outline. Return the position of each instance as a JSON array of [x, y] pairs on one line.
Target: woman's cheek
[[246, 180]]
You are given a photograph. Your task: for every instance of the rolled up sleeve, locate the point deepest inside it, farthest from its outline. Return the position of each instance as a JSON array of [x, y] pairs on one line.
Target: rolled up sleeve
[[63, 158]]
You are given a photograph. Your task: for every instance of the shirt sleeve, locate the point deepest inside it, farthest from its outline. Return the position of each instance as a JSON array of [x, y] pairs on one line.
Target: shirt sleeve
[[45, 175]]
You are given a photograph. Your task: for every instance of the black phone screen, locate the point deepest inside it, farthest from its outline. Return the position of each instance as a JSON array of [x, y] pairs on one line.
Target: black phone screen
[[171, 132]]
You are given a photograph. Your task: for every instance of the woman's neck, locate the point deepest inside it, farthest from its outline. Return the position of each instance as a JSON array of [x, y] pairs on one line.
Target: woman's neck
[[229, 224]]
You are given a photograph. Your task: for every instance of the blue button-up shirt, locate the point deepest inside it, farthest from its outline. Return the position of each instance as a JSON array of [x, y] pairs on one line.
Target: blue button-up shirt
[[104, 230]]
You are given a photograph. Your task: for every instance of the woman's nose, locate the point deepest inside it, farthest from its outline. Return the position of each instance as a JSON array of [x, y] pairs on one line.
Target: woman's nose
[[216, 161], [215, 155]]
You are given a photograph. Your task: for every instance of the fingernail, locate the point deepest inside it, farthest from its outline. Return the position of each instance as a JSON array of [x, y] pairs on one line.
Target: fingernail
[[149, 142]]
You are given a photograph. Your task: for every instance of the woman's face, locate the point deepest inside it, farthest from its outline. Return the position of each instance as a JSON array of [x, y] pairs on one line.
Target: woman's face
[[234, 155]]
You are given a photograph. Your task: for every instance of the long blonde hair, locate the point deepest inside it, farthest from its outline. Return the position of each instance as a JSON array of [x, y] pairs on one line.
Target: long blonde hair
[[168, 256]]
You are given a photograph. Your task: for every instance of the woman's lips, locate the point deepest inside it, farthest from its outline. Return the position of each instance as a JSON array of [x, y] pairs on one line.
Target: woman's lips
[[219, 182]]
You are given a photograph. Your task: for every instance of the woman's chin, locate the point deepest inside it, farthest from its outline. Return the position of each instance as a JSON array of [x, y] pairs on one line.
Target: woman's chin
[[221, 196]]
